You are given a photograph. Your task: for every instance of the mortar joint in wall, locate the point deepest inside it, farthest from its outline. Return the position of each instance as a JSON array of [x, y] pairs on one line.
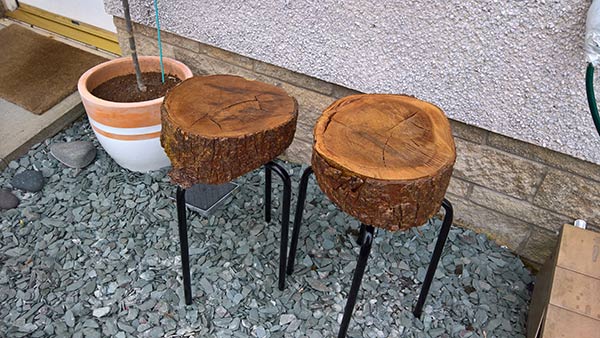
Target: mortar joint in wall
[[486, 137], [527, 201], [525, 240], [538, 184], [469, 195]]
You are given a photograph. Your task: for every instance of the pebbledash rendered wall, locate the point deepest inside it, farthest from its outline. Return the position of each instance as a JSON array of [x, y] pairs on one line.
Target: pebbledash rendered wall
[[518, 193], [513, 67]]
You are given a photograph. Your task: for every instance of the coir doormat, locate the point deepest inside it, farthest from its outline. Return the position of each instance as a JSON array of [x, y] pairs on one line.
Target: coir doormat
[[37, 72]]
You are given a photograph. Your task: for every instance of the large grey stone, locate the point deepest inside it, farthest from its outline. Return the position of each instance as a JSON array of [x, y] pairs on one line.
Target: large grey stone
[[497, 170], [21, 130], [570, 195], [28, 180], [76, 154], [8, 200]]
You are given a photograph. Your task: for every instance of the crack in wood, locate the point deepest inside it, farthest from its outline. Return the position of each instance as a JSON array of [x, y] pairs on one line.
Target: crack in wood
[[210, 115], [391, 133], [215, 122], [258, 102]]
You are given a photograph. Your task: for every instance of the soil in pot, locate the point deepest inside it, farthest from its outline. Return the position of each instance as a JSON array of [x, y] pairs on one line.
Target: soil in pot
[[124, 88]]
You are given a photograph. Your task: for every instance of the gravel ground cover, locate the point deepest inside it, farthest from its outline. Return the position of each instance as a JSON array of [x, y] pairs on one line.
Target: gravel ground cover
[[95, 253]]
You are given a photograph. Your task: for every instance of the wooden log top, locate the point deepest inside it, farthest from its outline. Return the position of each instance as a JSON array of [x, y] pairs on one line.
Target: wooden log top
[[385, 137], [228, 106]]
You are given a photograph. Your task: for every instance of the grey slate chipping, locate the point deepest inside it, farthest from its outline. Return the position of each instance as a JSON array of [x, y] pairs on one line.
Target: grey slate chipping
[[87, 265]]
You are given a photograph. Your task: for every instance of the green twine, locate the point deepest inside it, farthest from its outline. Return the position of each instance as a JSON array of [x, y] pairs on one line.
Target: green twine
[[162, 67]]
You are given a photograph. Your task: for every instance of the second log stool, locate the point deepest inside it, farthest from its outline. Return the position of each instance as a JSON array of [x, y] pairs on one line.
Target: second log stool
[[387, 161], [217, 128]]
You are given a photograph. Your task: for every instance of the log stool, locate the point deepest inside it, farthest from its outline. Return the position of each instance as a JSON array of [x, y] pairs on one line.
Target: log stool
[[387, 161], [216, 128]]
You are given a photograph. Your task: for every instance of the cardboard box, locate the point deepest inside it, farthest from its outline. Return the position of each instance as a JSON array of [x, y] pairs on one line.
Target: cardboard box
[[566, 298]]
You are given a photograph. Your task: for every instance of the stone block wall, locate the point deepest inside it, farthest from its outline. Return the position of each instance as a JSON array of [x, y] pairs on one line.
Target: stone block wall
[[517, 193]]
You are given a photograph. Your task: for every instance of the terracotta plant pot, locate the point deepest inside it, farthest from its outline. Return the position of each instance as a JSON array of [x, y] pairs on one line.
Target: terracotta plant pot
[[128, 131]]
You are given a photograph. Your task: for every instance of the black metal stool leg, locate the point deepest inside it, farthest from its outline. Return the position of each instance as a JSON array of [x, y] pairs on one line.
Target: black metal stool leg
[[361, 234], [285, 218], [267, 193], [298, 218], [435, 257], [365, 249], [183, 242]]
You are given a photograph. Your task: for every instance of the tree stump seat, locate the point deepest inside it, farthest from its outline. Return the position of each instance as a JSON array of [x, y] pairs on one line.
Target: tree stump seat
[[384, 159], [216, 128]]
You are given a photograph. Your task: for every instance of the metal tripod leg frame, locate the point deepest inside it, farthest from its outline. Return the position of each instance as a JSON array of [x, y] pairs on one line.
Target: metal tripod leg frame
[[183, 243], [298, 218], [366, 241], [285, 219], [435, 257], [285, 212], [268, 180]]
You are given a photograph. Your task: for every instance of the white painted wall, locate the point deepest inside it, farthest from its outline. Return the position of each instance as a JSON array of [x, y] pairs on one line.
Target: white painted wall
[[515, 67], [87, 11]]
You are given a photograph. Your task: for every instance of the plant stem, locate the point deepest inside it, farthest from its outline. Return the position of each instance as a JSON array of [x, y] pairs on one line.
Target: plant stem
[[136, 62]]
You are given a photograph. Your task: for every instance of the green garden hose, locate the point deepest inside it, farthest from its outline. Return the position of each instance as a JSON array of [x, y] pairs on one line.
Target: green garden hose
[[589, 88]]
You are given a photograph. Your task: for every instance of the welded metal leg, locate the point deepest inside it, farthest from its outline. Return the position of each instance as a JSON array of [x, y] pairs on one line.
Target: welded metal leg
[[268, 193], [183, 242], [285, 217], [435, 257], [298, 218], [365, 249]]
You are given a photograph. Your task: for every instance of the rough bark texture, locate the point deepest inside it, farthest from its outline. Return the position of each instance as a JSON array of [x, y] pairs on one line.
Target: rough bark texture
[[384, 159], [216, 128]]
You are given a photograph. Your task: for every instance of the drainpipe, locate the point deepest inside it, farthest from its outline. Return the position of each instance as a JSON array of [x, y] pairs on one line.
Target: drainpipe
[[592, 53]]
